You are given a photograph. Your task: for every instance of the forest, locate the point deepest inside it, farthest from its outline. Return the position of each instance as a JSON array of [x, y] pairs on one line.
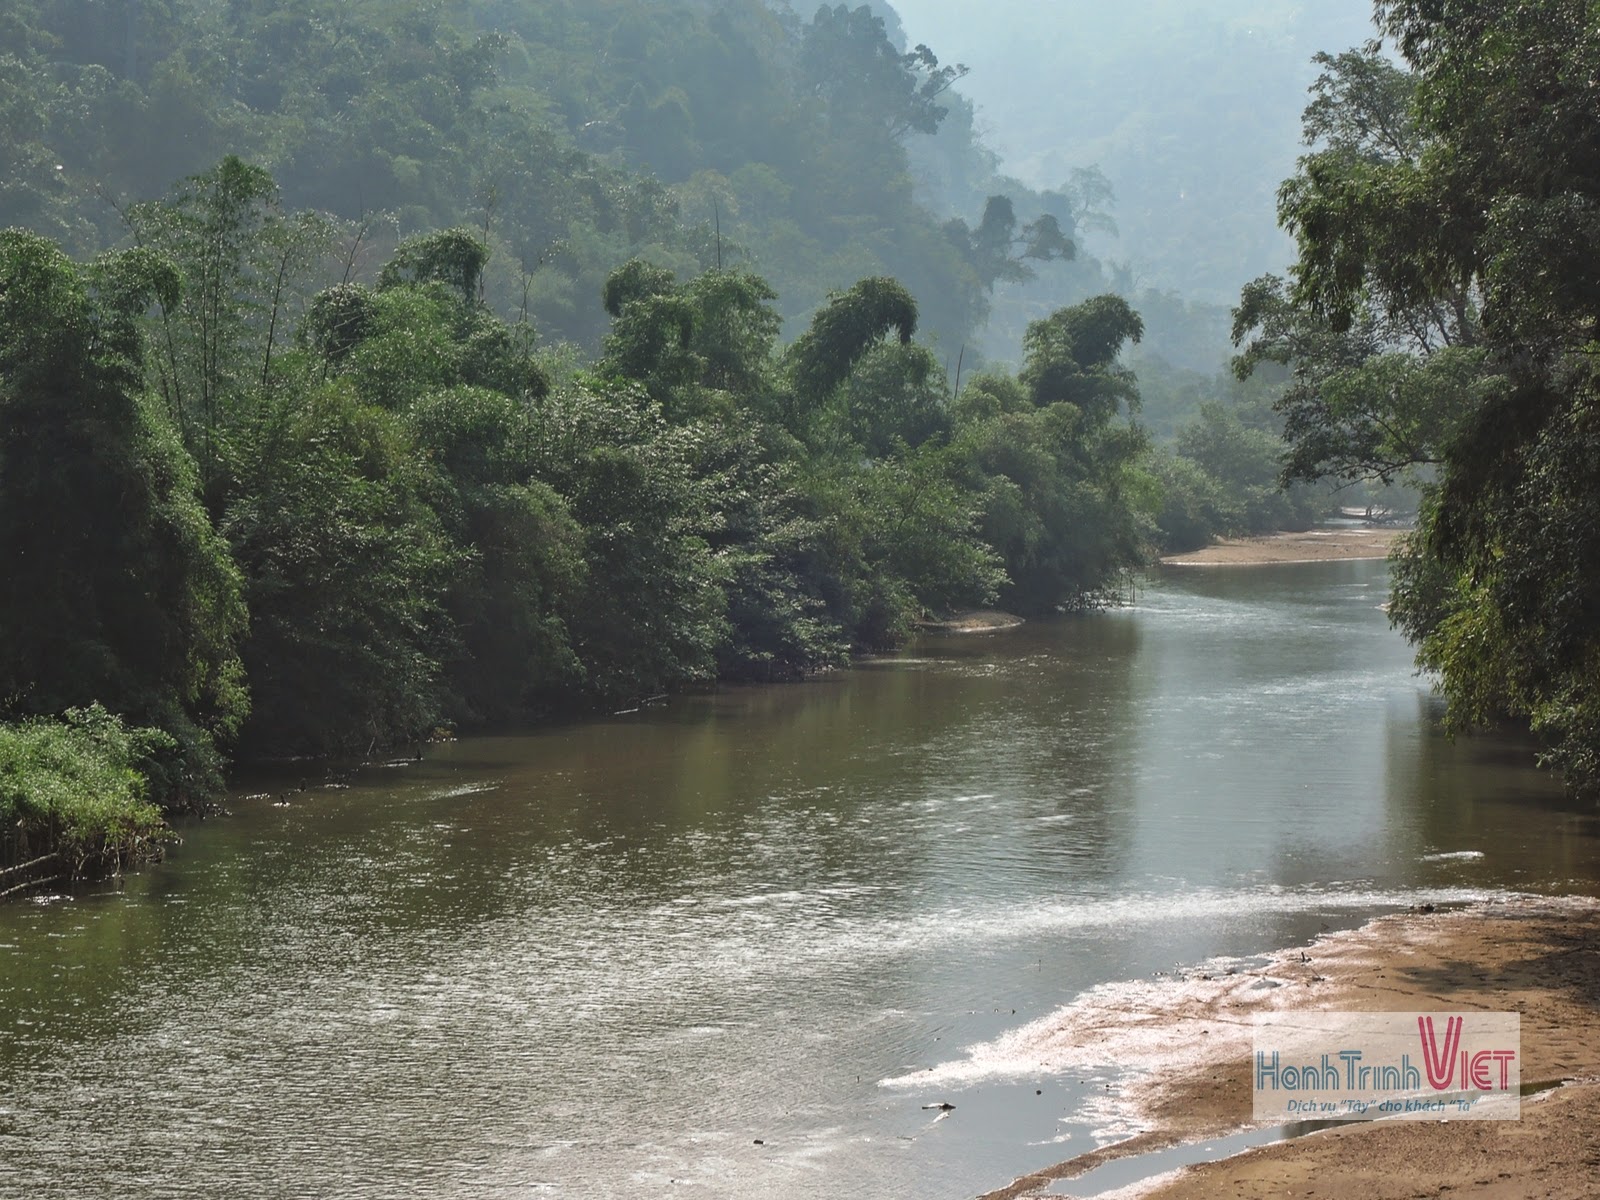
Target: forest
[[374, 369]]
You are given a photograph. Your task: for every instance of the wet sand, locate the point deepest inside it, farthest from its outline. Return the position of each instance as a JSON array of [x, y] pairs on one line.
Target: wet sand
[[1313, 545], [984, 621], [1185, 1042]]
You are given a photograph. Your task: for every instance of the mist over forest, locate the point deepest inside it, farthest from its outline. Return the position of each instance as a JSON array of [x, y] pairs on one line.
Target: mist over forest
[[1155, 134], [1191, 110], [715, 590]]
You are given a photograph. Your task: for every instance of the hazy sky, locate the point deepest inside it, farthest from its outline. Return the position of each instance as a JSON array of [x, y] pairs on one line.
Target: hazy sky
[[1023, 52], [1192, 108]]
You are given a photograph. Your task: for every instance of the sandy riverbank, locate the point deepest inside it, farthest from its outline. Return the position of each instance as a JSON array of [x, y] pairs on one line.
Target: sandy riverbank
[[1186, 1042], [985, 621], [1313, 545]]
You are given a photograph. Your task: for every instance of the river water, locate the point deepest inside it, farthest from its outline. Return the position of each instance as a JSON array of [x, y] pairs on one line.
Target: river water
[[684, 951]]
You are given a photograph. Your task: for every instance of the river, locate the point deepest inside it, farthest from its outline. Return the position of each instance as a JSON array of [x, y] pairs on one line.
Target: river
[[704, 949]]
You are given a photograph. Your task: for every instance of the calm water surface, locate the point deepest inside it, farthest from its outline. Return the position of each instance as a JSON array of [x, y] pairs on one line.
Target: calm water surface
[[603, 960]]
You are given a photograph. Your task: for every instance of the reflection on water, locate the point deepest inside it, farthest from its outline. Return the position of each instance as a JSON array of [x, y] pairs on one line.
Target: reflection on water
[[607, 959]]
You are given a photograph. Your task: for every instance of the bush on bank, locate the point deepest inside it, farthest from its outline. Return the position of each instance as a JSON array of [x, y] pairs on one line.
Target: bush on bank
[[75, 788]]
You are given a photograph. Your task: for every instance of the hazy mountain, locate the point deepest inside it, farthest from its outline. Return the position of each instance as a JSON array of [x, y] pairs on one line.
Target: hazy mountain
[[1191, 109]]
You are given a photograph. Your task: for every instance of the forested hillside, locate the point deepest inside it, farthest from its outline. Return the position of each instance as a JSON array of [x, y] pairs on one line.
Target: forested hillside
[[371, 368], [292, 460], [573, 136]]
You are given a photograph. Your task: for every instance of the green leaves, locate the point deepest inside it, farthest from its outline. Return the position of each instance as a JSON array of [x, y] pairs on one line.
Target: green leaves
[[696, 347], [1443, 314], [649, 611], [1362, 105], [431, 522], [849, 325], [570, 138], [848, 59], [74, 787], [454, 257], [238, 263], [347, 569], [998, 252], [118, 589], [1071, 357]]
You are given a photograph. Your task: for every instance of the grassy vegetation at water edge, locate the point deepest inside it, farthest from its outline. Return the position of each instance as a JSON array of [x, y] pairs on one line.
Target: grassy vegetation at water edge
[[73, 787]]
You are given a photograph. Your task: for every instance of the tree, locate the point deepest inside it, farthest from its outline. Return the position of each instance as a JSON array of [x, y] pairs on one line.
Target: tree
[[117, 589], [1377, 382], [212, 230], [569, 140], [1246, 463], [347, 571], [1071, 357], [695, 346], [850, 62], [1363, 402], [770, 540], [900, 538], [1469, 219], [521, 567], [895, 400], [649, 612], [242, 261], [453, 257], [842, 331], [1057, 470], [998, 251]]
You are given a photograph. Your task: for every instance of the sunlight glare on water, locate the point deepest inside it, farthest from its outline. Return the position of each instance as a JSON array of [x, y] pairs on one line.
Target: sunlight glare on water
[[608, 958]]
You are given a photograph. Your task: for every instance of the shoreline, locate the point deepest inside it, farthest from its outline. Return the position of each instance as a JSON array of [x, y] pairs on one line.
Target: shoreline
[[979, 621], [1184, 1042], [1337, 544]]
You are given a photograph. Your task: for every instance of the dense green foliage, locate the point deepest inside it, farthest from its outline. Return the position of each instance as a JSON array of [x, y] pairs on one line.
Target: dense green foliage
[[77, 787], [571, 136], [1219, 458], [1443, 317], [290, 472], [429, 521], [117, 589]]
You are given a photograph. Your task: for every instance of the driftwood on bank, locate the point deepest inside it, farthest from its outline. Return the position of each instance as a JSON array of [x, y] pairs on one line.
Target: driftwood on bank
[[70, 865], [24, 877]]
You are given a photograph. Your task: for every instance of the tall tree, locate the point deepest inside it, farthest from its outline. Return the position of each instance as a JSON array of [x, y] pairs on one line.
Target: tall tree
[[842, 331], [1468, 219], [1056, 463], [116, 587], [849, 60]]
